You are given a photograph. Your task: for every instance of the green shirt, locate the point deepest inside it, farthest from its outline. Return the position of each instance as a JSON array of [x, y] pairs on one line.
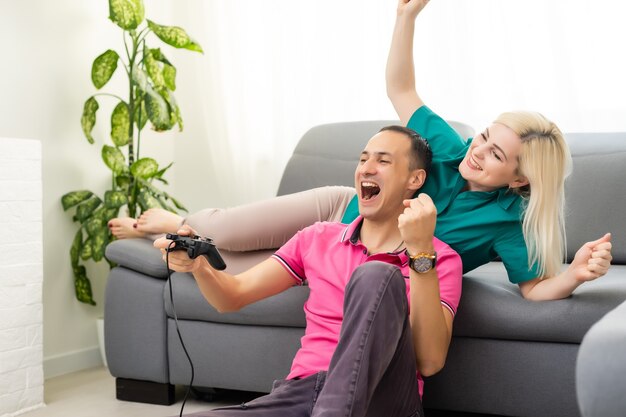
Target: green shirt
[[479, 225]]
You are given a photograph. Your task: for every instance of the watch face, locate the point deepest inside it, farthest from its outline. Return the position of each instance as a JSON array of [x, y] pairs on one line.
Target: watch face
[[422, 264]]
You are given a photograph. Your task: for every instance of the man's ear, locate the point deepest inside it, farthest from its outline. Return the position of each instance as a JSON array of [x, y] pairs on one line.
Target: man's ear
[[417, 179], [519, 182]]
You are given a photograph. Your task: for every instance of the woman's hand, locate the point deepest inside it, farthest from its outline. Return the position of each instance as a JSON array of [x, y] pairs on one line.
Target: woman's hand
[[592, 260], [400, 71], [411, 8]]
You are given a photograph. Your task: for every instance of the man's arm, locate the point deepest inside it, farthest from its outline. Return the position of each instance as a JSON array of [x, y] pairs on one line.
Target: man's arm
[[431, 323], [222, 290], [400, 71]]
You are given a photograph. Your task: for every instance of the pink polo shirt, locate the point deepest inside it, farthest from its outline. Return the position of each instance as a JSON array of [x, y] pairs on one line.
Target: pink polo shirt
[[323, 256]]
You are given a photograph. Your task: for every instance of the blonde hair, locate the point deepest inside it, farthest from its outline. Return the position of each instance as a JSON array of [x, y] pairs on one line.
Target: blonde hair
[[545, 160]]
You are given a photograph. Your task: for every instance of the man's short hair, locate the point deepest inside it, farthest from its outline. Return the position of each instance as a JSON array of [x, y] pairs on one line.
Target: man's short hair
[[421, 155]]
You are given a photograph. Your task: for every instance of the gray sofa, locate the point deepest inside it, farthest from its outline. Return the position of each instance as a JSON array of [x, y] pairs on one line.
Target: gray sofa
[[508, 356]]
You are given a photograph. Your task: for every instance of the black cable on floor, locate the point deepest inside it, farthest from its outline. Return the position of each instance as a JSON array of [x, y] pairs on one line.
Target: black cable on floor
[[180, 337]]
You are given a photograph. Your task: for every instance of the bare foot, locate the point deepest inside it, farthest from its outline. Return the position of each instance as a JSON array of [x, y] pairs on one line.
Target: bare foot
[[157, 220], [125, 228]]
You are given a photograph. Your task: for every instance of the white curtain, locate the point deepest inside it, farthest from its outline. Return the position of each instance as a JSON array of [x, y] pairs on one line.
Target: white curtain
[[272, 69]]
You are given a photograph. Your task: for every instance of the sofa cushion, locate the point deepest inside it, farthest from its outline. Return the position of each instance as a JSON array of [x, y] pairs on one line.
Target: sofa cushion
[[137, 255], [283, 310], [601, 367], [492, 307]]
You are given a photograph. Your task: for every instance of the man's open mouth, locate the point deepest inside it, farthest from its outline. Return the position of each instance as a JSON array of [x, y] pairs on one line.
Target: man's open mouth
[[369, 190]]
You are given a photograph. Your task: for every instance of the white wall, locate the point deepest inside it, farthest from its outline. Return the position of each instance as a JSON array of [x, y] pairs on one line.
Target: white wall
[[21, 277], [47, 50], [465, 72]]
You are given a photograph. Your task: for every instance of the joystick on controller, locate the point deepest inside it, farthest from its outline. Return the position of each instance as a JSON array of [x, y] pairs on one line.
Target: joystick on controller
[[196, 246]]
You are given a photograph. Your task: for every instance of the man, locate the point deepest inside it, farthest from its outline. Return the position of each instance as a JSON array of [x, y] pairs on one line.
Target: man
[[362, 353]]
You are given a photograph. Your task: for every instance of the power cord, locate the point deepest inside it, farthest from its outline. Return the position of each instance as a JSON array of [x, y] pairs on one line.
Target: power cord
[[180, 337]]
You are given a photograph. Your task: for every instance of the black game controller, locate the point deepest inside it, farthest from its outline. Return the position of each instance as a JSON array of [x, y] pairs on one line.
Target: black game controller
[[196, 246]]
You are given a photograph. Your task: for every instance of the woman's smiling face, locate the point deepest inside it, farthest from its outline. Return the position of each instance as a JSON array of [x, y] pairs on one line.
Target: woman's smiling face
[[492, 160]]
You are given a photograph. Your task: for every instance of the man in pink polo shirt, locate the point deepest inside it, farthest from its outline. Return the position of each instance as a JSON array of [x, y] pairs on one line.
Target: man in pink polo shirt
[[364, 350]]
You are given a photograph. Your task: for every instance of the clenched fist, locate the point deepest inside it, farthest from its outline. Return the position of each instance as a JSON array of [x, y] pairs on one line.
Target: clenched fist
[[417, 223]]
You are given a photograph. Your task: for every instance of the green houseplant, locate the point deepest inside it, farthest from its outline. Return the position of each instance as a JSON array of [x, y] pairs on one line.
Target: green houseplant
[[151, 82]]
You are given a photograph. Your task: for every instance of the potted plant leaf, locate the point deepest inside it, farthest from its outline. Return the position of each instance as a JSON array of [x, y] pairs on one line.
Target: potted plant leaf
[[149, 100]]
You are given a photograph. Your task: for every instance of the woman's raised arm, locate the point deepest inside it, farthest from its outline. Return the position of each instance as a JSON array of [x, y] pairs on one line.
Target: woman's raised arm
[[400, 72]]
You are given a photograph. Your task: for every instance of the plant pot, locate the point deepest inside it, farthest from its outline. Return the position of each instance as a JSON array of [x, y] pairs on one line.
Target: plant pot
[[100, 328]]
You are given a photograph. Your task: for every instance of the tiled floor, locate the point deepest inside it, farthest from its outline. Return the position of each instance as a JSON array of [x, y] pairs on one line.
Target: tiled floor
[[91, 393]]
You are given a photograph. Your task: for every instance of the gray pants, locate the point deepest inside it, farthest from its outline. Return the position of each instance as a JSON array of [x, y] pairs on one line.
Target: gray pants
[[372, 372]]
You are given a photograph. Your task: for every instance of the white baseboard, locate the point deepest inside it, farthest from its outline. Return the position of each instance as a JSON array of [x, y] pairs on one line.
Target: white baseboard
[[26, 410], [71, 362]]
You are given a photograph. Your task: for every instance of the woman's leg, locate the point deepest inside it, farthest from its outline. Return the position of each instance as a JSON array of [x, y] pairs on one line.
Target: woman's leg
[[268, 224], [124, 228], [158, 221], [151, 224]]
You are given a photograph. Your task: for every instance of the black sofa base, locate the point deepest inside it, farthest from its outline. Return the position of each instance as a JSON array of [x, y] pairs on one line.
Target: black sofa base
[[144, 391]]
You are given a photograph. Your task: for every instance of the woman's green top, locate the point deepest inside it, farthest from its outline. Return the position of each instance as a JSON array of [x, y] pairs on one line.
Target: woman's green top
[[480, 226]]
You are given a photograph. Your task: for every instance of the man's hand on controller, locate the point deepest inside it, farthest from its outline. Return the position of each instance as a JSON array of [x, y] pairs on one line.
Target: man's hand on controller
[[179, 261]]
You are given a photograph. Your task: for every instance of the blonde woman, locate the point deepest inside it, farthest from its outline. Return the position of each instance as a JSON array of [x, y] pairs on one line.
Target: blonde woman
[[514, 170], [498, 195]]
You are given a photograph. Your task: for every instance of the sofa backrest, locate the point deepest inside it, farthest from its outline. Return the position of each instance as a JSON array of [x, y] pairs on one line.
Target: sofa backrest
[[327, 154], [595, 192]]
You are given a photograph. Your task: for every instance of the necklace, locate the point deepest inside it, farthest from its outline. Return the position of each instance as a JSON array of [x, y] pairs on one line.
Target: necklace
[[398, 247], [393, 251]]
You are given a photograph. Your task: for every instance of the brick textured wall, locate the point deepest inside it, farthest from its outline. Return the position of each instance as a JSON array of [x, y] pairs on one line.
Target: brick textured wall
[[21, 276]]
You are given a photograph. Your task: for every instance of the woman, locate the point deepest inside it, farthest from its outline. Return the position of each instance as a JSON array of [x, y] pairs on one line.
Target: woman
[[498, 195]]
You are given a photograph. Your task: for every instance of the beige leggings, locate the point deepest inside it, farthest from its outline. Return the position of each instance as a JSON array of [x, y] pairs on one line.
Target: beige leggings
[[268, 224]]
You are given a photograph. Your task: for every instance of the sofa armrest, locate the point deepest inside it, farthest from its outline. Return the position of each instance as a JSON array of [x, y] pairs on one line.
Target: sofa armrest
[[137, 255], [601, 367]]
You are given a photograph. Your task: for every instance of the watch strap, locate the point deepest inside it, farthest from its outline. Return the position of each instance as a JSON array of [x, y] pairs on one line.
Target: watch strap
[[422, 262]]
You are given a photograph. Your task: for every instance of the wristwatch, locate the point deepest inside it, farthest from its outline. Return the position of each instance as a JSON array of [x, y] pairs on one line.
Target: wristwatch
[[422, 262]]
